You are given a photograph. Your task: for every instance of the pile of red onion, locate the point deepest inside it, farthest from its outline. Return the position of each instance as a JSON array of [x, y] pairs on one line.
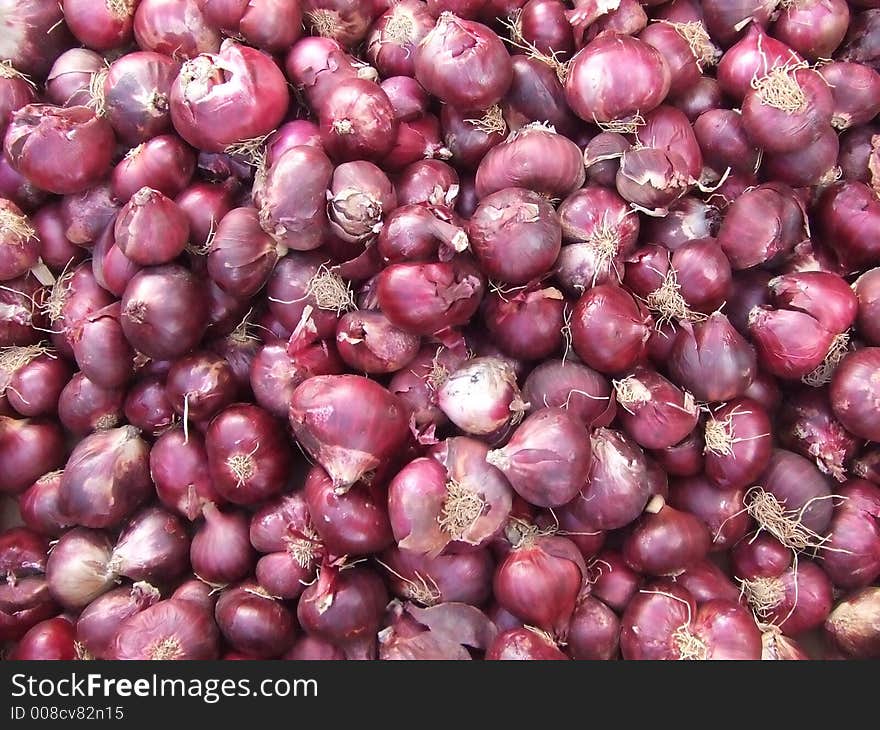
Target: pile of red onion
[[421, 329]]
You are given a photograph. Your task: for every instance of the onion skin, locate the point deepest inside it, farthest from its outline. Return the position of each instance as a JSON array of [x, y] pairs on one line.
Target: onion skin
[[463, 63], [790, 344], [220, 551], [41, 136], [174, 28], [327, 411], [795, 481], [596, 95], [855, 394], [97, 624], [867, 290], [739, 444], [814, 29], [163, 163], [357, 122], [369, 343], [654, 412], [560, 384], [179, 470], [254, 623], [207, 84], [52, 639], [527, 326], [78, 568], [705, 581], [154, 547], [847, 212], [852, 625]]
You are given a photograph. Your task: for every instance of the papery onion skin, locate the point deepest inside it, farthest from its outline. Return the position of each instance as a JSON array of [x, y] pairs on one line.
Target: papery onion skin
[[852, 625], [97, 624], [853, 557], [170, 629], [174, 28], [78, 567], [525, 645]]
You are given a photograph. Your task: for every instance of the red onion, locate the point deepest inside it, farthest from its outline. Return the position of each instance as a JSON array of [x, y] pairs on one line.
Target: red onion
[[84, 406], [797, 600], [547, 459], [221, 552], [665, 541], [42, 139], [814, 165], [78, 569], [106, 477], [855, 90], [271, 25], [99, 621], [87, 215], [39, 508], [711, 359], [790, 344], [610, 329], [19, 311], [529, 324], [794, 502], [112, 269], [427, 298], [421, 233], [100, 24], [752, 57], [521, 161], [179, 469], [335, 418], [663, 622], [345, 607], [352, 523], [601, 231], [536, 94], [172, 629], [686, 48], [724, 142], [205, 205], [470, 135], [345, 21], [147, 407], [28, 449], [208, 84], [163, 311], [845, 212], [705, 581], [612, 580], [135, 93], [594, 631], [814, 28], [151, 229], [539, 581], [616, 78], [857, 152], [523, 644], [357, 121], [854, 393], [200, 385], [153, 546], [70, 78], [290, 135], [368, 342], [427, 181], [852, 624], [18, 189], [254, 622], [580, 390], [738, 443], [52, 639], [36, 35], [394, 36], [296, 219], [684, 458], [787, 108], [32, 379], [317, 65], [360, 193], [248, 455], [654, 411], [163, 163], [867, 290], [463, 63], [515, 235], [481, 396], [722, 509], [618, 485], [174, 28], [725, 19]]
